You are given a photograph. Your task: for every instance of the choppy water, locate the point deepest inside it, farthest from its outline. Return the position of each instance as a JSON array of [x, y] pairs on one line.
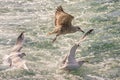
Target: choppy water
[[36, 18]]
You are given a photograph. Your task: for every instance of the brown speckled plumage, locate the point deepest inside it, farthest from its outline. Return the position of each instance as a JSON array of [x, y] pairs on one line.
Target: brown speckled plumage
[[63, 23]]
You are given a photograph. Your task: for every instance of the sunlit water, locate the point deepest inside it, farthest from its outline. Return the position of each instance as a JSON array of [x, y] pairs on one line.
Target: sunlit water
[[36, 18]]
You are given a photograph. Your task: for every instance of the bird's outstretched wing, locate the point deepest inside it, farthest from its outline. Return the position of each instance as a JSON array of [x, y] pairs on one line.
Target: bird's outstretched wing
[[71, 55], [62, 18], [85, 35], [19, 43]]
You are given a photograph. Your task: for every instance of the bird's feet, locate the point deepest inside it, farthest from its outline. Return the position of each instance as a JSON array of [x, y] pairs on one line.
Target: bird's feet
[[53, 40]]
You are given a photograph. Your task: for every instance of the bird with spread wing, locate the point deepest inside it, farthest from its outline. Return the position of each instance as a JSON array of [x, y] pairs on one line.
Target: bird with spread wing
[[15, 58], [69, 62], [63, 23]]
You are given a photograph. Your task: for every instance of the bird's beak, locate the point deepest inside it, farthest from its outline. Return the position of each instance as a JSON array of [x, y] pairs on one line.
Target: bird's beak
[[82, 30], [24, 54], [86, 61]]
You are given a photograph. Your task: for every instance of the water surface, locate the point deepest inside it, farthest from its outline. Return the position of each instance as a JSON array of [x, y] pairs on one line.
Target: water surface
[[36, 18]]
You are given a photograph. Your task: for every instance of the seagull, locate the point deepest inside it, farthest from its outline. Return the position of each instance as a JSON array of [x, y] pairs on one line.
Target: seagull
[[15, 58], [69, 62], [63, 23]]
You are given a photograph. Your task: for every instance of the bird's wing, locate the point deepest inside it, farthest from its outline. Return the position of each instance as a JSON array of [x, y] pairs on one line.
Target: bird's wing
[[62, 18], [71, 55], [19, 43], [85, 36]]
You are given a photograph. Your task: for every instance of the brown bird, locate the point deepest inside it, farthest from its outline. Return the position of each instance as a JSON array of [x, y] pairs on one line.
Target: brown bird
[[63, 23], [69, 62]]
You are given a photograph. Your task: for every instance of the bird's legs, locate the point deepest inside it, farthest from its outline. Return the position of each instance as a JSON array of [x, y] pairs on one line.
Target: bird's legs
[[51, 32], [55, 38], [10, 61], [54, 31], [25, 67]]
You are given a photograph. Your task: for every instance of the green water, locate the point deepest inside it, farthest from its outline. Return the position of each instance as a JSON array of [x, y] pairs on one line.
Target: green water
[[36, 18]]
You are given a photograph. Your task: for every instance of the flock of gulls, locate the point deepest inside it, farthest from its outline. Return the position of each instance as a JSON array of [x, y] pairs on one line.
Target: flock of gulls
[[63, 25]]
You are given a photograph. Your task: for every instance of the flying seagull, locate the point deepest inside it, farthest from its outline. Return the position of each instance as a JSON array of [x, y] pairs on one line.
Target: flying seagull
[[15, 58], [63, 23], [69, 62]]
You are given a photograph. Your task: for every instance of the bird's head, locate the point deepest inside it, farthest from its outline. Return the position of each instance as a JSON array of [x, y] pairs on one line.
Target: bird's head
[[79, 29], [82, 62], [21, 55]]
